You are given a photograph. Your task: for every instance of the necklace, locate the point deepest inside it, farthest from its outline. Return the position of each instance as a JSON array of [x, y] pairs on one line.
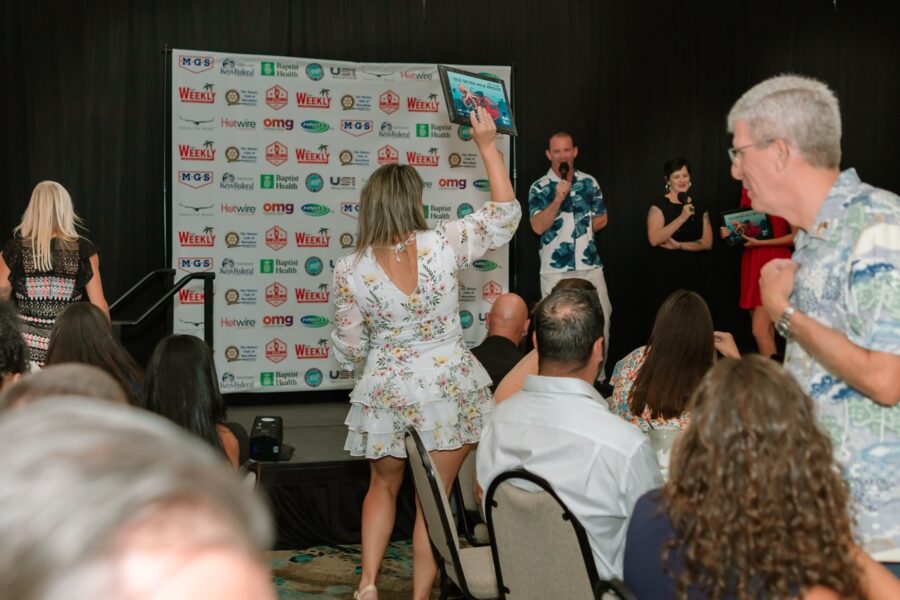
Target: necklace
[[401, 246]]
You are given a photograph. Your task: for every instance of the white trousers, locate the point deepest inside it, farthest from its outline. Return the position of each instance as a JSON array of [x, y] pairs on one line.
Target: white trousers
[[595, 276]]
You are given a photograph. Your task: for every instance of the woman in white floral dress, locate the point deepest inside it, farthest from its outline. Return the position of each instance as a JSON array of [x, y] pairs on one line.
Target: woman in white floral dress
[[396, 302]]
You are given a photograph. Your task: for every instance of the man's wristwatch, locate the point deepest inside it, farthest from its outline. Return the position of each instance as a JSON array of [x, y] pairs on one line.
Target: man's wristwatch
[[783, 324]]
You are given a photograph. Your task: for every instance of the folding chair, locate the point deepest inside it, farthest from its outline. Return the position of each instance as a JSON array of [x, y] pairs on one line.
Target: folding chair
[[540, 550], [471, 569]]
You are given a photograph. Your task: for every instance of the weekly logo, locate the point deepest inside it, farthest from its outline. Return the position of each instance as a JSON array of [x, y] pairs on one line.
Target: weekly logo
[[205, 95], [320, 100], [320, 156], [429, 104], [431, 159], [205, 152], [206, 239]]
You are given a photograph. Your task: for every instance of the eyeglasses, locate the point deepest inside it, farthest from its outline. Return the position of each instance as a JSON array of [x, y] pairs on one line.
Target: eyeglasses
[[733, 153]]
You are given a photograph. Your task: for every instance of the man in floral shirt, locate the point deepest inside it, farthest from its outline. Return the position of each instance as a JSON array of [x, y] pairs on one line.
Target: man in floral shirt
[[837, 300], [566, 208]]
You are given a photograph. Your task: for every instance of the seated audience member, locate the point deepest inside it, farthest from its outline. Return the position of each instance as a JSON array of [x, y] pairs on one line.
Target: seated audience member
[[181, 385], [515, 378], [755, 506], [82, 334], [13, 352], [507, 324], [560, 428], [67, 379], [652, 384], [103, 501]]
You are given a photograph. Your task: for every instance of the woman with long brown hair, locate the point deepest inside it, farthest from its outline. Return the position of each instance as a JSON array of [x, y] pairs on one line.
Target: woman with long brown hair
[[755, 506], [652, 384]]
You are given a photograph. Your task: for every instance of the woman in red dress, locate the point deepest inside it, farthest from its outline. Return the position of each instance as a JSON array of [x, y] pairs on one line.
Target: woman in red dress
[[756, 254]]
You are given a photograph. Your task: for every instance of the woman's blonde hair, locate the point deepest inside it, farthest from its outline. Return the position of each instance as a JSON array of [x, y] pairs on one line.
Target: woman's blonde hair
[[390, 207], [49, 214]]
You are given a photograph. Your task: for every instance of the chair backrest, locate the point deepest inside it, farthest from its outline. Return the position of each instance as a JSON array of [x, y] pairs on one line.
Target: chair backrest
[[662, 440], [540, 549], [435, 507]]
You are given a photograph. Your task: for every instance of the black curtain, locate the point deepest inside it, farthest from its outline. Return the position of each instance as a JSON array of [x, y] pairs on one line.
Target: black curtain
[[635, 82]]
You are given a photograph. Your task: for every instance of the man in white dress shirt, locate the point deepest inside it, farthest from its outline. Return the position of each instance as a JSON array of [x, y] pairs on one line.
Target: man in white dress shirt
[[560, 428]]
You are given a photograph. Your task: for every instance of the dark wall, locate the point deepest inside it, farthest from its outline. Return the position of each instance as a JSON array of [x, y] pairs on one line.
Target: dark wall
[[635, 82]]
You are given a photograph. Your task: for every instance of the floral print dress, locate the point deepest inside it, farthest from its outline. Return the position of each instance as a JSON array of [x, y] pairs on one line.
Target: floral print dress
[[417, 369], [623, 377]]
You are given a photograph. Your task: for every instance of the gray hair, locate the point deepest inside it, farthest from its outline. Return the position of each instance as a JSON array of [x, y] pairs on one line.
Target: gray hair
[[63, 379], [800, 110], [82, 479]]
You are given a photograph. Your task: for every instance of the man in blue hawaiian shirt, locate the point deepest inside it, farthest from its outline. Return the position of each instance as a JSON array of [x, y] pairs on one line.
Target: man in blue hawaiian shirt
[[837, 301], [566, 208]]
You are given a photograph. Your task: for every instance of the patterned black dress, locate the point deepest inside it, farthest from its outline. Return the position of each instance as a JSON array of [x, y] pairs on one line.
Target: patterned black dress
[[42, 295]]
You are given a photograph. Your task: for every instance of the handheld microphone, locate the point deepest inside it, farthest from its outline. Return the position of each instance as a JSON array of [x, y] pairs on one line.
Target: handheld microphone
[[563, 170], [683, 198]]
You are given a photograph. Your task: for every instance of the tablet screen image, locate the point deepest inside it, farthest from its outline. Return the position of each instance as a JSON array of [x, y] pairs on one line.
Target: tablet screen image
[[465, 91], [746, 222]]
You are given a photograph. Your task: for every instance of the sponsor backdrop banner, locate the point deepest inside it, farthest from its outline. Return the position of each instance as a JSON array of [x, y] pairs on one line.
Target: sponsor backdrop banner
[[269, 155]]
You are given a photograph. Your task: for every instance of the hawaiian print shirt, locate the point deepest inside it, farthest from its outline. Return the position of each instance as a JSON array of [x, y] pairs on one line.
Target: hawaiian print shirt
[[849, 280], [622, 379], [569, 243]]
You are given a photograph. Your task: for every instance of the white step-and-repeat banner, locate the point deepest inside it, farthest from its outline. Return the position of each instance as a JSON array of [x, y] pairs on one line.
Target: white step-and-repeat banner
[[269, 155]]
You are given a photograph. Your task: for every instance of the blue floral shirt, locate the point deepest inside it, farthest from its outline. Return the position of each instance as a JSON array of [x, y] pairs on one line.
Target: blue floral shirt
[[849, 280], [569, 243]]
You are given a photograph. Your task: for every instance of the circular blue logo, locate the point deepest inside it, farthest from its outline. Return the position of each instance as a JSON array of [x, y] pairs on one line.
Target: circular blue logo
[[464, 209], [313, 265], [313, 377], [315, 71], [314, 182], [465, 317]]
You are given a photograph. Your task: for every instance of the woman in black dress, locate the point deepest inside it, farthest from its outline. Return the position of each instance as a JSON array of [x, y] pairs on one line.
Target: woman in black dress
[[47, 266], [680, 233]]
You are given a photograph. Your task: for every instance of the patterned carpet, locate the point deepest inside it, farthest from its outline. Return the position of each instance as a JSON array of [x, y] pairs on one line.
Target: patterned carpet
[[333, 572]]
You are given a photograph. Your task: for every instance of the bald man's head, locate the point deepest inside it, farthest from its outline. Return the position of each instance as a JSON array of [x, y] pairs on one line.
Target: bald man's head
[[508, 317]]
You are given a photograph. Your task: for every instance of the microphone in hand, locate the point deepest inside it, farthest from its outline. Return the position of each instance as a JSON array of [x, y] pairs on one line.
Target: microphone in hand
[[563, 170], [687, 201]]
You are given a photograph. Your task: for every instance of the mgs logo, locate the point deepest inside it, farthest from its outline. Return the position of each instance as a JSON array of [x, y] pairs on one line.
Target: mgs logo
[[277, 97], [276, 153], [195, 179], [276, 238], [205, 95], [192, 264], [356, 127], [389, 102], [276, 294], [350, 209], [388, 154], [320, 100], [276, 350], [196, 64]]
